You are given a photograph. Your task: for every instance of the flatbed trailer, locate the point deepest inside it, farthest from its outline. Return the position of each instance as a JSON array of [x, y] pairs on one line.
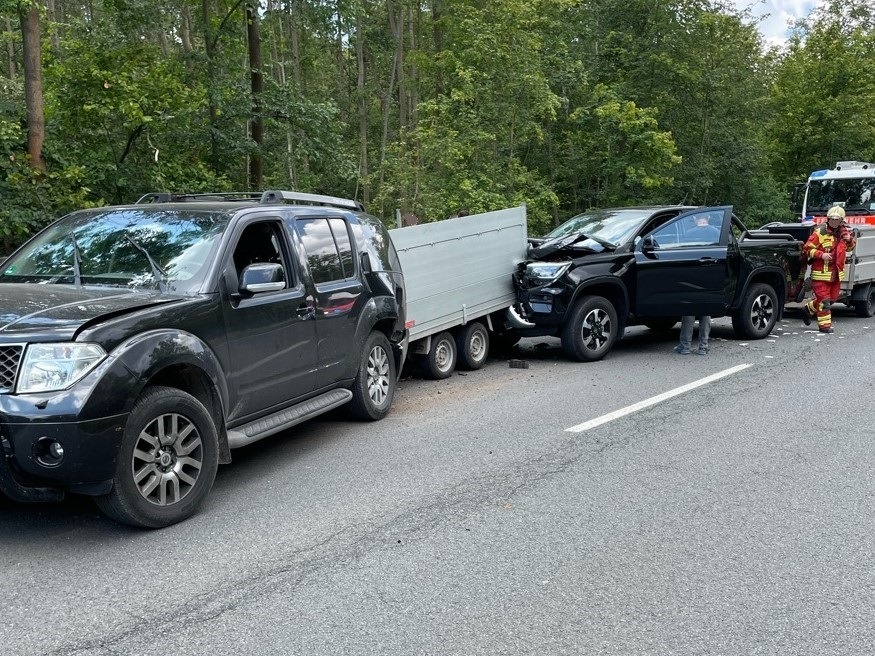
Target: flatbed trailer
[[457, 274]]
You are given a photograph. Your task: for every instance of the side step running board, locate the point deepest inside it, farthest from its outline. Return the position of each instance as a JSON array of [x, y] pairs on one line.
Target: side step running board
[[261, 428]]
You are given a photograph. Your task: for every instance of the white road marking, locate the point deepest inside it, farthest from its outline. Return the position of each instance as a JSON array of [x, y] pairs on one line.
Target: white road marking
[[659, 398]]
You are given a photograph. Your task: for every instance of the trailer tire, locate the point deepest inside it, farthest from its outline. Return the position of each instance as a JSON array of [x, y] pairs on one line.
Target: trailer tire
[[440, 361], [472, 346], [866, 307], [758, 313], [590, 329]]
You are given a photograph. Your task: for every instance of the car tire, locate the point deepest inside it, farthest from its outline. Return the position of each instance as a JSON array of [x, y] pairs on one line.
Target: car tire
[[591, 329], [166, 463], [472, 346], [374, 386], [866, 307], [440, 361], [758, 313]]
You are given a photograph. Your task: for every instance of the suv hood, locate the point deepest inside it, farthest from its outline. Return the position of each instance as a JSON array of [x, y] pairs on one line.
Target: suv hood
[[59, 310]]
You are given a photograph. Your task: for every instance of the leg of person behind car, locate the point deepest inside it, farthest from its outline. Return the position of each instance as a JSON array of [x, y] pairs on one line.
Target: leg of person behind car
[[704, 333], [687, 323]]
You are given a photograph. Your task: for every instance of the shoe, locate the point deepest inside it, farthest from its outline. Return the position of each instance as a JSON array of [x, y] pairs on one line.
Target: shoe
[[806, 315], [702, 351], [680, 350], [827, 331]]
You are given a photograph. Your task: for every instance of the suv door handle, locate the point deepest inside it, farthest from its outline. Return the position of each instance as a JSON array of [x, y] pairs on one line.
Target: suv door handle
[[707, 261], [305, 311]]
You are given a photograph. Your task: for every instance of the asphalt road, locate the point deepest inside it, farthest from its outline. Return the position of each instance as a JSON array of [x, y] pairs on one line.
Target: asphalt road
[[736, 517]]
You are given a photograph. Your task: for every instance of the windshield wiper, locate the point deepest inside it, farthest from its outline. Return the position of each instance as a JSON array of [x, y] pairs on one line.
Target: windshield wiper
[[600, 241], [77, 261], [157, 272]]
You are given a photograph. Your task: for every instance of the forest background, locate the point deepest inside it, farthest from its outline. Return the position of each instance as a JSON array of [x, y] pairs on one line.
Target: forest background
[[426, 107]]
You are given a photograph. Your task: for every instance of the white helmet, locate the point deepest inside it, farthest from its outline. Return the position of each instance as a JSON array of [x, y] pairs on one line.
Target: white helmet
[[836, 211]]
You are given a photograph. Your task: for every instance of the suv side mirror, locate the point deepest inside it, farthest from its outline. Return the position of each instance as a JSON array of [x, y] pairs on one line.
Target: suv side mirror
[[648, 245], [262, 277]]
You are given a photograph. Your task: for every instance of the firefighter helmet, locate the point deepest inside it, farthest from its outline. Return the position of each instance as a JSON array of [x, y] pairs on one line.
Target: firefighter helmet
[[836, 212]]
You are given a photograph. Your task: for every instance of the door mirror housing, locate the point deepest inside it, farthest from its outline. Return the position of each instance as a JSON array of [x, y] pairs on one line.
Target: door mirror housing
[[262, 277], [648, 244]]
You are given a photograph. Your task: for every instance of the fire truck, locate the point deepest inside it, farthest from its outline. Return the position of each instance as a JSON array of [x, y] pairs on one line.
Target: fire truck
[[850, 184]]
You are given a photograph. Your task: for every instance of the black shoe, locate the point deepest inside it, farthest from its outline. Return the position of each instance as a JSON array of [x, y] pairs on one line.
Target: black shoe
[[806, 315], [828, 331]]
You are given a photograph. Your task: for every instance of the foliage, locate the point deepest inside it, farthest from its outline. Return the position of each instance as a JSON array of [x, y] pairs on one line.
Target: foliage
[[446, 106]]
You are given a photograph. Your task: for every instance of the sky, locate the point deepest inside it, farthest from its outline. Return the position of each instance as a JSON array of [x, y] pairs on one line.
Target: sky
[[780, 14]]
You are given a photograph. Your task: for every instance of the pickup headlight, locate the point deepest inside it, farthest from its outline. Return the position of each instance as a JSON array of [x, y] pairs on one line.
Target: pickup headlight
[[48, 367], [545, 272]]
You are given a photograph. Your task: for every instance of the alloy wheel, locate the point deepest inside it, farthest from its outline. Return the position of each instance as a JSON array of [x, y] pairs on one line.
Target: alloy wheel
[[167, 460]]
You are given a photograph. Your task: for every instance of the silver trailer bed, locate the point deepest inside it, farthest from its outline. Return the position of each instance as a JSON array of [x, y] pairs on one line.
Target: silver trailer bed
[[459, 270]]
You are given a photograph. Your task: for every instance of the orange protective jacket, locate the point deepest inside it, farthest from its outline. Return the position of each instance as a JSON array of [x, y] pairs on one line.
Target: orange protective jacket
[[837, 244]]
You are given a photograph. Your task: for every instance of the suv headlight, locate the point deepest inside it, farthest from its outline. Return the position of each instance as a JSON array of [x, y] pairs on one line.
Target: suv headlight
[[546, 272], [48, 367]]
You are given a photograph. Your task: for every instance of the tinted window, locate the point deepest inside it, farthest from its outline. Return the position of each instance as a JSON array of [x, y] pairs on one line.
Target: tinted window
[[344, 246], [323, 256]]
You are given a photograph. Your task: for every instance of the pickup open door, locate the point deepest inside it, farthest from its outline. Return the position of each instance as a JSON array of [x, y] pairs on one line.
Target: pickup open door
[[682, 265]]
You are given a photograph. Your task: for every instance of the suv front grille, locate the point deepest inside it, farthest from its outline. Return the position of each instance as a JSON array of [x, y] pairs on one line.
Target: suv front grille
[[10, 358]]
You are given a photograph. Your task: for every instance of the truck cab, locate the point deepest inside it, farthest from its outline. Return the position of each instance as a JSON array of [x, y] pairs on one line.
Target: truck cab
[[850, 184]]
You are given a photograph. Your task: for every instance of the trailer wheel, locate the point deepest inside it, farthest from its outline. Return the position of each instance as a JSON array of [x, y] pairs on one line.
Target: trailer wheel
[[440, 361], [758, 313], [866, 307], [472, 342], [590, 330]]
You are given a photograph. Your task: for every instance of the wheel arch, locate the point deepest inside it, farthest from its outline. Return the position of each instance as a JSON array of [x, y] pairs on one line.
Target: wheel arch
[[178, 359], [771, 276], [612, 289]]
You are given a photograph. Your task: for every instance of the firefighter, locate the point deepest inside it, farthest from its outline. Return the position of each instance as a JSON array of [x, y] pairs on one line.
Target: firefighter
[[826, 249]]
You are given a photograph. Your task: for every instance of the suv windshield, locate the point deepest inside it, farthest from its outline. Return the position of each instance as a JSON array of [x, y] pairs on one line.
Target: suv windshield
[[854, 194], [614, 226], [127, 247]]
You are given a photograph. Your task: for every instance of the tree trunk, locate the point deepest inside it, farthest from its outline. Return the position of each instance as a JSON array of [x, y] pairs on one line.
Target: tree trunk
[[253, 34], [396, 24], [53, 19], [212, 110], [10, 50], [363, 107], [33, 85], [185, 30]]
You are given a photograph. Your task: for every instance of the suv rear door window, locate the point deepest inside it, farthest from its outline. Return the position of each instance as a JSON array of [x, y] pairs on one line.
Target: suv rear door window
[[328, 248]]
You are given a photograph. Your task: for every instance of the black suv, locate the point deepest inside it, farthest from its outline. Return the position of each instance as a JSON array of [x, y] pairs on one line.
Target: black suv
[[139, 344]]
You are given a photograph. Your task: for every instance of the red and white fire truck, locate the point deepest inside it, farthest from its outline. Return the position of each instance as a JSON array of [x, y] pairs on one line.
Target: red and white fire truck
[[850, 185]]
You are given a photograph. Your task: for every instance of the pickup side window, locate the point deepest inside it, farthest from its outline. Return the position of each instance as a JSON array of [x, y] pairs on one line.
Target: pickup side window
[[328, 247], [699, 229]]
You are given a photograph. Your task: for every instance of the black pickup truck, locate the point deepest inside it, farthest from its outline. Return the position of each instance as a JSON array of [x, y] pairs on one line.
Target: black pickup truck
[[141, 344], [606, 269]]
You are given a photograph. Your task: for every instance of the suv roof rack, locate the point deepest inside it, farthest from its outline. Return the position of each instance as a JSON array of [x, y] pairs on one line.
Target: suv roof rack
[[311, 199], [265, 198], [161, 197]]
